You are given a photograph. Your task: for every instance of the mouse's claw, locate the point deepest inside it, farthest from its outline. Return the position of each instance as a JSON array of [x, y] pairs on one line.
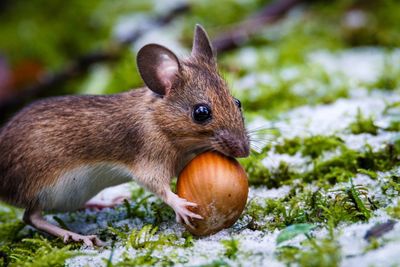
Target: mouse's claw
[[180, 206]]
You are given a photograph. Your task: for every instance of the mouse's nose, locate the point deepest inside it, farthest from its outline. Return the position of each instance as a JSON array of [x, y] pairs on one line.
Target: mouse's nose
[[233, 145], [241, 150], [245, 151]]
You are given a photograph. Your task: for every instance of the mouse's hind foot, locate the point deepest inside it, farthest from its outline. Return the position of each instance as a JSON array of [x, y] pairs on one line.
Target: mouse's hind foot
[[110, 197], [98, 204], [36, 219], [88, 240]]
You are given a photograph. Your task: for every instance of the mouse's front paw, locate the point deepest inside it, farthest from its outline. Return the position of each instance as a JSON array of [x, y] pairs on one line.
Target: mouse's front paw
[[180, 206]]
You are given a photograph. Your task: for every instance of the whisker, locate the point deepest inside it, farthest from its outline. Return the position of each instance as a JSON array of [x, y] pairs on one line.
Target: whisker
[[264, 141], [281, 127]]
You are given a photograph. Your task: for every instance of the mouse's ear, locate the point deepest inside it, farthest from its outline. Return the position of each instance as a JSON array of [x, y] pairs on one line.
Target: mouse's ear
[[201, 44], [159, 68]]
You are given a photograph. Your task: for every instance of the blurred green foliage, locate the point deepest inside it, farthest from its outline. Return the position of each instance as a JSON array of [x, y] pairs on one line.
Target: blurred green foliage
[[52, 33]]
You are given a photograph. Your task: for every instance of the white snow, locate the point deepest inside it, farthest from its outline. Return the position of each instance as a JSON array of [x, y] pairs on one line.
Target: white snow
[[360, 65]]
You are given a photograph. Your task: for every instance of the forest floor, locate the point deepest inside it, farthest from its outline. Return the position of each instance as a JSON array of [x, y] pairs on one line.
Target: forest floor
[[324, 172]]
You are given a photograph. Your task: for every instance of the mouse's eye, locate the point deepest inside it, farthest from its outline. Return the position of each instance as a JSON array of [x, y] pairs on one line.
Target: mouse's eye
[[201, 113], [238, 103]]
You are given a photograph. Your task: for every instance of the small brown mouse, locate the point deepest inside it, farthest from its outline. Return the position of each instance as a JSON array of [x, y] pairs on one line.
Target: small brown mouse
[[59, 152]]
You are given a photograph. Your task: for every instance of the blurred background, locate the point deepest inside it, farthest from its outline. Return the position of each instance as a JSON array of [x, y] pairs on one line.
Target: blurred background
[[57, 47]]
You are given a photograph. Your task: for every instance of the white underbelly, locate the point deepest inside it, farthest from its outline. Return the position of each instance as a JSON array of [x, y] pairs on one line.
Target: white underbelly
[[75, 187]]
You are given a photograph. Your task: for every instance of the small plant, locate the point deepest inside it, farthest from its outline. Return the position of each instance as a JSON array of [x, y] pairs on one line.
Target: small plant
[[145, 238], [363, 125], [394, 211], [216, 263], [39, 251], [231, 248], [142, 238], [134, 210], [313, 252], [145, 259], [294, 230]]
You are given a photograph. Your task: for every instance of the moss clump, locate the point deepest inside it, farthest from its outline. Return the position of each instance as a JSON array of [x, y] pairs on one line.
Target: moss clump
[[259, 175], [391, 187], [363, 125], [393, 127], [289, 146], [394, 211], [325, 172], [39, 251], [350, 203], [313, 252], [146, 238], [10, 226], [19, 248], [313, 146], [231, 248], [343, 167], [142, 259], [389, 78]]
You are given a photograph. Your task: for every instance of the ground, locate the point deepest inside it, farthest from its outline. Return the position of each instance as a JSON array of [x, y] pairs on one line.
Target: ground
[[324, 172]]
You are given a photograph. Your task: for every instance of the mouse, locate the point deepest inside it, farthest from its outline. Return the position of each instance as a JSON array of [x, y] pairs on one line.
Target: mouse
[[59, 152]]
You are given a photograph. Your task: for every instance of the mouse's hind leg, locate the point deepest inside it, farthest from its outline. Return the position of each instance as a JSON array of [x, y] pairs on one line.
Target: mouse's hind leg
[[110, 197], [35, 218]]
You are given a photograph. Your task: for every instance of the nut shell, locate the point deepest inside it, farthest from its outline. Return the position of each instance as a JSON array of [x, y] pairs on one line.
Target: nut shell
[[218, 184]]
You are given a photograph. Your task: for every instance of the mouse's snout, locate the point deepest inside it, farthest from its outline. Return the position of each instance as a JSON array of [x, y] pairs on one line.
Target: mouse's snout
[[233, 145]]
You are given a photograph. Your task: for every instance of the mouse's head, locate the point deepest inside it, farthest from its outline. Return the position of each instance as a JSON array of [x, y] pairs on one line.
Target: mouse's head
[[193, 105]]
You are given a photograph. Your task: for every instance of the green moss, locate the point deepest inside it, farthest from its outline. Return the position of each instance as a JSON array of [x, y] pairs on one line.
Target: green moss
[[145, 238], [391, 185], [293, 231], [146, 241], [231, 248], [280, 212], [394, 211], [313, 146], [23, 248], [387, 81], [260, 175], [351, 203], [289, 146], [346, 165], [313, 252], [143, 259], [39, 251], [394, 126], [10, 223], [216, 263], [336, 169], [325, 173], [363, 125], [373, 245]]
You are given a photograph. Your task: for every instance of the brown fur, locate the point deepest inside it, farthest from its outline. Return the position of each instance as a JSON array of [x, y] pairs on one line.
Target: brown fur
[[152, 134]]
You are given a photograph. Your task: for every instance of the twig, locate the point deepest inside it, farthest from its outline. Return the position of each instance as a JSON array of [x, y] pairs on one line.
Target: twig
[[241, 32]]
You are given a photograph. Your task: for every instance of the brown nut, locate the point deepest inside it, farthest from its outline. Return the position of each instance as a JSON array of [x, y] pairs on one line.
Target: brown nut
[[218, 184]]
